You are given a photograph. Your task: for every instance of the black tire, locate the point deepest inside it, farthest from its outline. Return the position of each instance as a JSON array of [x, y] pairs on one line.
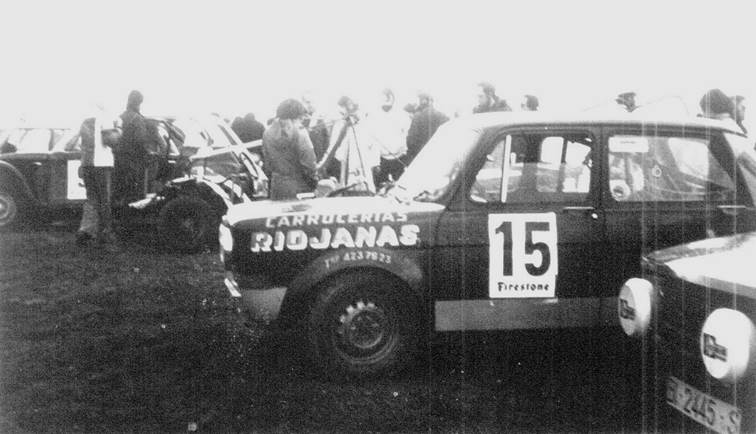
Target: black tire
[[10, 211], [362, 325], [185, 224]]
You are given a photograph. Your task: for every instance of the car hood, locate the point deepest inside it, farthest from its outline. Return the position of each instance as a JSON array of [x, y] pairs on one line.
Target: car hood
[[719, 263], [341, 210]]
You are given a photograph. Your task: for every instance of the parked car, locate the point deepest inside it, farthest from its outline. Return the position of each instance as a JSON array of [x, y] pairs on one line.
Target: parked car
[[694, 307], [504, 221], [39, 165], [187, 210], [38, 172]]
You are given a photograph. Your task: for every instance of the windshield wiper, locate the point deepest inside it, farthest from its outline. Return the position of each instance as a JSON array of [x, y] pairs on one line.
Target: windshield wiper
[[349, 187]]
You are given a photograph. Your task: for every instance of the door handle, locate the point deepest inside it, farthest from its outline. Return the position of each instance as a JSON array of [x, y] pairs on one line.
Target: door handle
[[582, 209]]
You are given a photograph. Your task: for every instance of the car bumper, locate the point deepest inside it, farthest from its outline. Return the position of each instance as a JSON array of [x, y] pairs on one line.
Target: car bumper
[[262, 304]]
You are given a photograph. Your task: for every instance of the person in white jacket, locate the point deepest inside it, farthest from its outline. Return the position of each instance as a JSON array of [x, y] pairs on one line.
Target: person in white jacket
[[98, 134]]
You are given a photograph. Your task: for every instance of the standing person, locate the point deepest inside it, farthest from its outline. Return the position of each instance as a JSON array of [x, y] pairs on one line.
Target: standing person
[[131, 154], [425, 122], [626, 101], [389, 128], [248, 128], [740, 108], [288, 157], [98, 135], [317, 129], [529, 103], [715, 104], [488, 101]]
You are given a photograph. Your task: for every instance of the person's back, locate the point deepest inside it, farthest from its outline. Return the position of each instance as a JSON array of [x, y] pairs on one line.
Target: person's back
[[131, 154], [424, 124], [248, 128], [288, 156]]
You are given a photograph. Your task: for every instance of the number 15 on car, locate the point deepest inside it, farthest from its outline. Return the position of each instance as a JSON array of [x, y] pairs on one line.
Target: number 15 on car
[[523, 256]]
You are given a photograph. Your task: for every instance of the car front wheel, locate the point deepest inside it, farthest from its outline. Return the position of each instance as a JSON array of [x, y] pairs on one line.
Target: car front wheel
[[185, 224], [363, 324]]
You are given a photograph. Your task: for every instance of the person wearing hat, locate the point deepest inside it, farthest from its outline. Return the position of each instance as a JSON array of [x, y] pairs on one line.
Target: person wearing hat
[[627, 101], [288, 156], [425, 122]]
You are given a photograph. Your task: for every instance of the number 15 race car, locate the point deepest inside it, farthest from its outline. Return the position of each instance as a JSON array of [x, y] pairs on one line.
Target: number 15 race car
[[504, 221]]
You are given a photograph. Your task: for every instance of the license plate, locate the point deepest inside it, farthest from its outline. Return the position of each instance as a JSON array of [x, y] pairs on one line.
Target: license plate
[[710, 412]]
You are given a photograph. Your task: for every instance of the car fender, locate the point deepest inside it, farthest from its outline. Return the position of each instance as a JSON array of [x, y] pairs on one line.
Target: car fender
[[12, 179], [401, 264], [200, 188]]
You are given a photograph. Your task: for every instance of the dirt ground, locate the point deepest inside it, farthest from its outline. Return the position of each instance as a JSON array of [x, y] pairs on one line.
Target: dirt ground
[[143, 341]]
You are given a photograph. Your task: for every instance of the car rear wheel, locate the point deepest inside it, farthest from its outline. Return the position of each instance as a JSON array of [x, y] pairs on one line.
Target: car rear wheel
[[185, 224], [9, 211], [363, 324]]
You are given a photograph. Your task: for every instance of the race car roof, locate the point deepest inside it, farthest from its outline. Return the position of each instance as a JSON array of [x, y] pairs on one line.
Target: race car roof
[[498, 119]]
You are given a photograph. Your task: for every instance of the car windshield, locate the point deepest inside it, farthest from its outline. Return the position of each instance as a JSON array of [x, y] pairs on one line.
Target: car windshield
[[28, 141], [436, 167], [67, 140], [218, 165]]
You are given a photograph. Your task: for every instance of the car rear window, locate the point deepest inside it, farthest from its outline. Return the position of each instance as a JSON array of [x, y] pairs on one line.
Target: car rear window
[[666, 168]]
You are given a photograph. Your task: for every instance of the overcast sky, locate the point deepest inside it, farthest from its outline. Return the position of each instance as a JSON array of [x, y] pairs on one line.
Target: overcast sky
[[233, 57]]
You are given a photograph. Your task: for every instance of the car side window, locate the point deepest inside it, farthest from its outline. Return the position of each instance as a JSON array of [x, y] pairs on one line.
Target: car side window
[[666, 168], [32, 140], [536, 167]]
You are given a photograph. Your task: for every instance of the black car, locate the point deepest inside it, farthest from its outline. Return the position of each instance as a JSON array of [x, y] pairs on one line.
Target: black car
[[186, 211], [504, 221], [694, 307]]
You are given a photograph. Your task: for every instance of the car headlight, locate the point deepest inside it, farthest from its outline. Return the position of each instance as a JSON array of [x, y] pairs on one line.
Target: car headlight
[[634, 306], [225, 239], [728, 345]]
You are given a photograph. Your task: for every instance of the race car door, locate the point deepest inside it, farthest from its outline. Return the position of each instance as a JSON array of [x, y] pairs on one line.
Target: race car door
[[518, 248]]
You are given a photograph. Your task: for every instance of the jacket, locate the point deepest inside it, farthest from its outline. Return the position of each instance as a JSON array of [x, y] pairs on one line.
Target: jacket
[[288, 160], [424, 124]]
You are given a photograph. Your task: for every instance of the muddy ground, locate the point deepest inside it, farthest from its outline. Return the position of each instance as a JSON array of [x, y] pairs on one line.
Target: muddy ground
[[143, 341]]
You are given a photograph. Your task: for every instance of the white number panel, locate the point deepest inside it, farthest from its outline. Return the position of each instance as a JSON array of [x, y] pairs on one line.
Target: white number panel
[[75, 186], [523, 259]]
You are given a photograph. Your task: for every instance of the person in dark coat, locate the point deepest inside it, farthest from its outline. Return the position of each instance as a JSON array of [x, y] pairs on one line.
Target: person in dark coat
[[288, 156], [425, 122], [131, 155], [248, 128], [488, 101]]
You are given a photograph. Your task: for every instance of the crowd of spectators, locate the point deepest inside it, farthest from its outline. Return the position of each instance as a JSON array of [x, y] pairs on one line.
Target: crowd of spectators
[[360, 150]]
